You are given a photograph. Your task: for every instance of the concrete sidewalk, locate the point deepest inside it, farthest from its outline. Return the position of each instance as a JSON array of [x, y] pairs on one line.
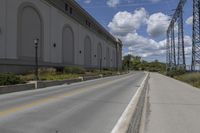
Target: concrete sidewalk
[[174, 107]]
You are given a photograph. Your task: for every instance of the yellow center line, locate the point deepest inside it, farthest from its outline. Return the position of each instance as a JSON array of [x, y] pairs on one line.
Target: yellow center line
[[54, 98]]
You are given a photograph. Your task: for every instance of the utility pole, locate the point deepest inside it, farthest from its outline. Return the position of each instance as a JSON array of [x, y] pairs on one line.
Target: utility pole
[[100, 63], [36, 42]]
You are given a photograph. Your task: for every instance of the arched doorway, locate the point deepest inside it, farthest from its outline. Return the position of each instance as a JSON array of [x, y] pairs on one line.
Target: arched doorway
[[99, 55], [68, 45], [30, 28], [87, 52]]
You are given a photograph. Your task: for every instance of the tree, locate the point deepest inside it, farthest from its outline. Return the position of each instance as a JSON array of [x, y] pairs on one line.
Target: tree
[[127, 62], [137, 63], [131, 62]]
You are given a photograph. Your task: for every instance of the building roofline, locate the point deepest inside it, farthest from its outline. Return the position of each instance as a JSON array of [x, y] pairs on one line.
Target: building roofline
[[92, 19]]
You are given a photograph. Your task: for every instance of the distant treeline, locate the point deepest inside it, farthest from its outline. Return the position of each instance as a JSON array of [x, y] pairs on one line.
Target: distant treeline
[[131, 62]]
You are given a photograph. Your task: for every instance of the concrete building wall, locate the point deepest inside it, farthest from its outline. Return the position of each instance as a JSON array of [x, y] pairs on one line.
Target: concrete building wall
[[2, 28], [30, 27], [11, 18], [25, 20]]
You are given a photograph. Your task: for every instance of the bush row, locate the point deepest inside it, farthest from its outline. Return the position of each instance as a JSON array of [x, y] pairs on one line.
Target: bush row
[[10, 79], [173, 73], [51, 74], [74, 70]]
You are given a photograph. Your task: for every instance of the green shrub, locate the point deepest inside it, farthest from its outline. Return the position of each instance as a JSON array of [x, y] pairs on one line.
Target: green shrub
[[47, 70], [10, 79], [153, 69], [58, 76], [107, 73], [74, 70], [93, 71], [173, 73]]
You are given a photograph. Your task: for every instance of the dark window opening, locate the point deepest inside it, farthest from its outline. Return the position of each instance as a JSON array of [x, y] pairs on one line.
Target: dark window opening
[[71, 11], [66, 7], [88, 23]]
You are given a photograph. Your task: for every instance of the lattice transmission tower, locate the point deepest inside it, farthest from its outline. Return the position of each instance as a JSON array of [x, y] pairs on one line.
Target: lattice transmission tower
[[196, 35], [174, 60]]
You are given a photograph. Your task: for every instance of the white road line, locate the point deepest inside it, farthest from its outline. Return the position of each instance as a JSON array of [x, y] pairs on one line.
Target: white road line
[[124, 121]]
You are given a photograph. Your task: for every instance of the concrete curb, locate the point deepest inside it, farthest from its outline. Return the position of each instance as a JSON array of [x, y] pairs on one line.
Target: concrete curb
[[16, 88], [130, 120], [144, 119], [44, 84], [91, 78]]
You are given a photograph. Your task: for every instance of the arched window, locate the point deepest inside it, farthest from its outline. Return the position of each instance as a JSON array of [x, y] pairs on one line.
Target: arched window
[[87, 52], [30, 27], [68, 45]]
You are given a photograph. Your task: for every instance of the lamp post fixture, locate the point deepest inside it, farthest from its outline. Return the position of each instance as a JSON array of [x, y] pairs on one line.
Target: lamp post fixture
[[36, 42]]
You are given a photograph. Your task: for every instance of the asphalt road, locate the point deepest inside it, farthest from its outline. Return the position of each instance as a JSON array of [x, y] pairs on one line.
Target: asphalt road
[[87, 107]]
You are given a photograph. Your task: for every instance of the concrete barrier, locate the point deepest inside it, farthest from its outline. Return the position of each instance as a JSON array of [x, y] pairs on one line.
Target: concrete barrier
[[91, 77], [44, 84], [16, 88], [130, 120], [34, 85]]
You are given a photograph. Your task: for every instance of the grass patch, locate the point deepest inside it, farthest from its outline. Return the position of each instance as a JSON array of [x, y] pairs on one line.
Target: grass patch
[[174, 73], [74, 70], [52, 74], [68, 73], [56, 76], [190, 78], [49, 74]]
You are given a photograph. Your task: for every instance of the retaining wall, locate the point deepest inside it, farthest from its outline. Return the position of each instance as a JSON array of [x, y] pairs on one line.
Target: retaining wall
[[16, 88]]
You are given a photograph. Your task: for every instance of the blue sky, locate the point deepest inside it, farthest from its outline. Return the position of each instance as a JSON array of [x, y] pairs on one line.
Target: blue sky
[[140, 24]]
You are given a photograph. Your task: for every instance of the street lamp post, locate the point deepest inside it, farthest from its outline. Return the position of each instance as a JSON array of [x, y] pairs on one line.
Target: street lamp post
[[100, 67], [36, 42]]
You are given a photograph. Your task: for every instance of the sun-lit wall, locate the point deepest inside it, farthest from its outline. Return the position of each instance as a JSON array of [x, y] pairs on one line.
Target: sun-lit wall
[[62, 40]]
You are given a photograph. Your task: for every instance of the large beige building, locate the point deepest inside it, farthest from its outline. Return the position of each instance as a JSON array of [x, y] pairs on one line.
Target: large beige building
[[67, 35]]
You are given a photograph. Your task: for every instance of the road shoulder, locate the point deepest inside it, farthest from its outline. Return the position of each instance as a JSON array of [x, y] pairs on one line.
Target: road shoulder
[[173, 106]]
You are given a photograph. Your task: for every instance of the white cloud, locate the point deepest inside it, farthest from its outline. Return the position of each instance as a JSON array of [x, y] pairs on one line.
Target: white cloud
[[189, 21], [145, 47], [126, 22], [125, 25], [141, 46], [157, 24], [113, 3]]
